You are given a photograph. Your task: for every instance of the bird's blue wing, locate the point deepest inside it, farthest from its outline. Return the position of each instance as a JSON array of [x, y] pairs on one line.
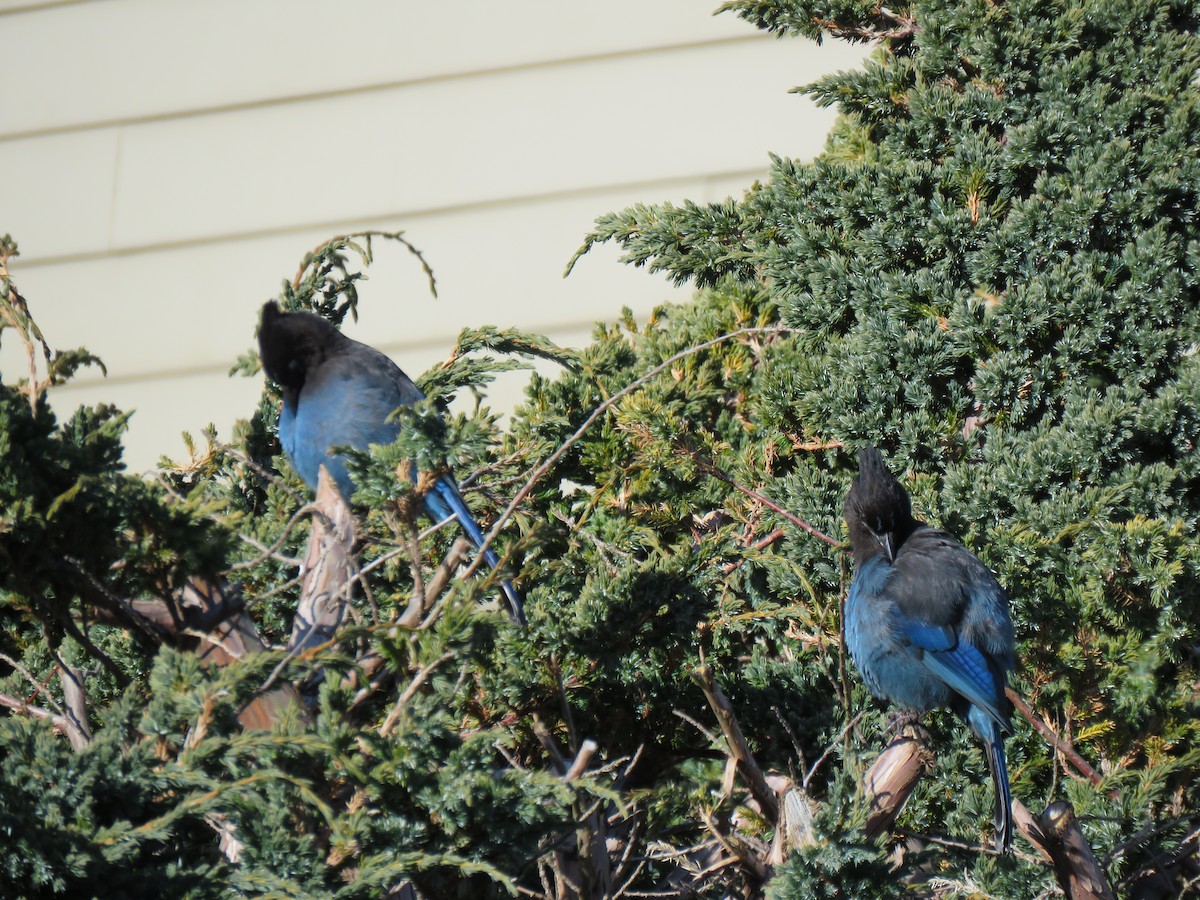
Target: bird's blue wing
[[345, 403], [961, 665]]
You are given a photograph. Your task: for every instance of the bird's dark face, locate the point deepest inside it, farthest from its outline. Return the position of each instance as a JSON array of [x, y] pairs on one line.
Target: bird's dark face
[[878, 510], [291, 344]]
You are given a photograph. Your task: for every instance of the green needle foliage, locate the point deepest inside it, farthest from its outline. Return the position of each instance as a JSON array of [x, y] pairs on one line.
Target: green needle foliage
[[990, 272]]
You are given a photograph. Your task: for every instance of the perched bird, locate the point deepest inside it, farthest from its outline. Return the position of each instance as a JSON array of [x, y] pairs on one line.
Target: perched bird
[[338, 392], [926, 623]]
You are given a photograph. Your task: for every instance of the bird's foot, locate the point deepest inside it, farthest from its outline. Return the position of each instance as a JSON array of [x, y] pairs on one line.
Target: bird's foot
[[901, 720]]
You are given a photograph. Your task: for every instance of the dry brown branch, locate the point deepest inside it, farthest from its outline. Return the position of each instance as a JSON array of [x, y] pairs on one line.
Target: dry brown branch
[[422, 600], [227, 633], [795, 822], [841, 735], [75, 699], [739, 750], [586, 751], [1056, 740], [1027, 824], [1056, 832], [595, 867], [891, 780], [735, 848], [328, 570], [227, 840]]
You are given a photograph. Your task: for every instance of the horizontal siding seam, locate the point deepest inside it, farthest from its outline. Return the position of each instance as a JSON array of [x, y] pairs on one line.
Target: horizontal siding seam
[[386, 220], [36, 7], [380, 87]]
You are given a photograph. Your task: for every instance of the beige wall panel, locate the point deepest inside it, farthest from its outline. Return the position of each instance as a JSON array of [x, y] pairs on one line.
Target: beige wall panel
[[493, 133], [164, 408], [57, 193], [168, 56], [193, 308], [468, 141], [169, 324], [24, 6]]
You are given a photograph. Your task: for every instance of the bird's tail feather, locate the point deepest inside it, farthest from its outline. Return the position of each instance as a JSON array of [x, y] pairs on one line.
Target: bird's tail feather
[[444, 499], [993, 748]]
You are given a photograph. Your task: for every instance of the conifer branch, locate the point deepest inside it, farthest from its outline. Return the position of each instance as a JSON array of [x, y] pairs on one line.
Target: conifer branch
[[717, 472], [600, 410], [323, 251]]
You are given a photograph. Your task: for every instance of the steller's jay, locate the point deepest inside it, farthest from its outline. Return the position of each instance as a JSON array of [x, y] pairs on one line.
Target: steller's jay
[[926, 622], [338, 392]]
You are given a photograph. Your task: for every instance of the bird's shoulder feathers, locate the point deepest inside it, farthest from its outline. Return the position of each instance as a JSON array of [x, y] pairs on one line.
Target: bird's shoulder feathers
[[359, 367]]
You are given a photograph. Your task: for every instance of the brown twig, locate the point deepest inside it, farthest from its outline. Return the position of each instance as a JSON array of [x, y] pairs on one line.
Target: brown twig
[[761, 544], [724, 476], [808, 776], [737, 850], [1057, 741], [413, 686], [419, 604]]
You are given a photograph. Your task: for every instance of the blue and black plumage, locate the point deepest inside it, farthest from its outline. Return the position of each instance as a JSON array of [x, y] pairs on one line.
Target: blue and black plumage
[[338, 392], [927, 624]]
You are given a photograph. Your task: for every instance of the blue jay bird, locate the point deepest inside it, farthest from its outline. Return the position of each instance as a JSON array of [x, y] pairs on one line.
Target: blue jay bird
[[338, 392], [926, 623]]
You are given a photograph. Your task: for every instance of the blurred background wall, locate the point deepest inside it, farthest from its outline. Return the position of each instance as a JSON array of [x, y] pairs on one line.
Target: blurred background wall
[[165, 164]]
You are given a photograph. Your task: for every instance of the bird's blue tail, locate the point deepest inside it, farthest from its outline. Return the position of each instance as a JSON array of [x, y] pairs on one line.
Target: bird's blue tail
[[990, 732], [443, 500]]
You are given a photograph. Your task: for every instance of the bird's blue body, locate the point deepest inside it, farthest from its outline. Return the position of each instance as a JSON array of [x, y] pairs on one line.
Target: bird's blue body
[[338, 392], [926, 622]]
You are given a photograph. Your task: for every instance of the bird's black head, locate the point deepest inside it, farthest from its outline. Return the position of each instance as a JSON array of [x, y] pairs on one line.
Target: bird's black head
[[292, 344], [878, 510]]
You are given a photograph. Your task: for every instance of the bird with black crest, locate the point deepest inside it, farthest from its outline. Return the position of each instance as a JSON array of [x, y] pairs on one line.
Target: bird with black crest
[[927, 624], [339, 392]]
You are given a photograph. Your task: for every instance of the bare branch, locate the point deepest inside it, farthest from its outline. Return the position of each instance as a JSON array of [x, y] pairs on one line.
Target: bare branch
[[62, 724], [419, 679], [891, 780], [1056, 832], [328, 570], [739, 750], [1056, 740]]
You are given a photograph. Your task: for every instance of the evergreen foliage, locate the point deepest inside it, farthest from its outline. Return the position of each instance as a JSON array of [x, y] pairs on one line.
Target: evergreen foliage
[[990, 272]]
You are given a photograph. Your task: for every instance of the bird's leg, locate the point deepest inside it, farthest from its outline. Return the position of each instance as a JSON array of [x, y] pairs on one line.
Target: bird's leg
[[901, 719]]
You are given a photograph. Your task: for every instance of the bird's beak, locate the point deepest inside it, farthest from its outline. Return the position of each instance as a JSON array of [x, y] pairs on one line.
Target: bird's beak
[[888, 542]]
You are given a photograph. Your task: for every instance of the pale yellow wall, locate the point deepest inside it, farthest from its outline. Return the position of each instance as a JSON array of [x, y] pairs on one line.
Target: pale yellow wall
[[165, 163]]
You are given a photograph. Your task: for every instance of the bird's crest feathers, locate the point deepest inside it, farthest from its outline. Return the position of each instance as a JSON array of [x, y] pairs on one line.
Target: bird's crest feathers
[[877, 509], [292, 344]]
